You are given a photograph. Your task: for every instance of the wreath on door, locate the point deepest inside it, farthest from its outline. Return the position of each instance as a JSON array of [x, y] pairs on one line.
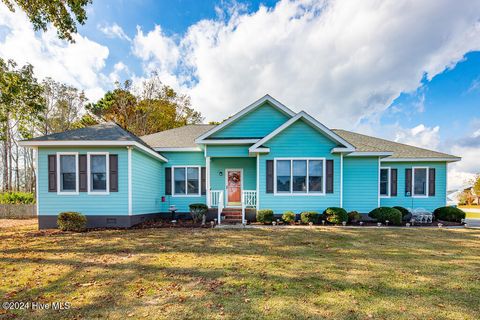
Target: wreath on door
[[234, 177]]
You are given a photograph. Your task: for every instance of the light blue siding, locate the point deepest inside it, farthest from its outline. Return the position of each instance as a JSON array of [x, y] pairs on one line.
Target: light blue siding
[[255, 124], [299, 140], [360, 183], [429, 203], [217, 165], [227, 150], [182, 159], [116, 203], [147, 183]]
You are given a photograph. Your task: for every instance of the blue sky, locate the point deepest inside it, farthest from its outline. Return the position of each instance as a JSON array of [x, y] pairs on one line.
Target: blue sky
[[412, 77]]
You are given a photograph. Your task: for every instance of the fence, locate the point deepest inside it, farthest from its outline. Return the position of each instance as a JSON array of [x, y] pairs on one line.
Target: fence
[[18, 211]]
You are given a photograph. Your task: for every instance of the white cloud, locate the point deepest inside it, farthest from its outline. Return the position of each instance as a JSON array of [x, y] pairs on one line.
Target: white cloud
[[114, 31], [77, 64], [342, 61], [118, 69], [420, 136]]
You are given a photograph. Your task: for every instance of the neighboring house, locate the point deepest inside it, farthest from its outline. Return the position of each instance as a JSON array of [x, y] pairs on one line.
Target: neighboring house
[[264, 157]]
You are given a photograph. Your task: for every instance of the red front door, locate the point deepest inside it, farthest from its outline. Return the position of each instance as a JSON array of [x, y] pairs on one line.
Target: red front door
[[234, 187]]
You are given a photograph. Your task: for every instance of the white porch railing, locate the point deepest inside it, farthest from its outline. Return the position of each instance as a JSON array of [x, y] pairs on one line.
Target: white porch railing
[[249, 200], [216, 200]]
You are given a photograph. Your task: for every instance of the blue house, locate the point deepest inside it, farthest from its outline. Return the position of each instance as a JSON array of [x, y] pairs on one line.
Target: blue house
[[264, 157]]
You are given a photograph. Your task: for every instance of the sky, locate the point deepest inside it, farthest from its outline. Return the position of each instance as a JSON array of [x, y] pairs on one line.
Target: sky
[[403, 70]]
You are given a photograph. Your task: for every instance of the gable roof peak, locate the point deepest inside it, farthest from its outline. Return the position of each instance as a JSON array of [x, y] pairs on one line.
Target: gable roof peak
[[266, 98]]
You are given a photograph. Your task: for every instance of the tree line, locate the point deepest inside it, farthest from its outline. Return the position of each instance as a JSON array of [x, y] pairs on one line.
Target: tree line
[[30, 108]]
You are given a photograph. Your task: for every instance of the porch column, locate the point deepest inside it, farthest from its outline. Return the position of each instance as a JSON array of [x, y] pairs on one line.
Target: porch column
[[258, 183], [207, 181]]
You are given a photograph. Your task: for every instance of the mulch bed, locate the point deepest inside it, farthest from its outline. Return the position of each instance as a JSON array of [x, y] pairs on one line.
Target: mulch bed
[[162, 223]]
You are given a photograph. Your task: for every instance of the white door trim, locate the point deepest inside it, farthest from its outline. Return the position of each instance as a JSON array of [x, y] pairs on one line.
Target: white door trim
[[226, 186]]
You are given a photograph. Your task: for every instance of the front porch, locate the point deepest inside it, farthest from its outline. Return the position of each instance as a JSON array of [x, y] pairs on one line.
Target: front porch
[[232, 187]]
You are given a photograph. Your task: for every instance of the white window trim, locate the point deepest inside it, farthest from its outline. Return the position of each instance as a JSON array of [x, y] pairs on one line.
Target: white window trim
[[186, 195], [291, 193], [89, 176], [426, 183], [59, 191], [389, 178]]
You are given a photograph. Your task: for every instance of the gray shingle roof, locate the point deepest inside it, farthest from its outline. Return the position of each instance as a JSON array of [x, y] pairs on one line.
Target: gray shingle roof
[[107, 131], [183, 137], [364, 143]]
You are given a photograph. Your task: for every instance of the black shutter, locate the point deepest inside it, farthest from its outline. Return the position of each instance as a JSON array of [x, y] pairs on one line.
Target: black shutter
[[408, 182], [52, 173], [431, 182], [113, 168], [270, 176], [204, 180], [393, 182], [168, 181], [329, 177], [82, 173]]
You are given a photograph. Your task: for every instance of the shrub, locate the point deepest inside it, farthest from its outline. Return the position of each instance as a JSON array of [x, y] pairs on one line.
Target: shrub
[[449, 214], [383, 214], [17, 198], [406, 215], [288, 217], [354, 216], [265, 216], [72, 221], [335, 215], [198, 211], [309, 216]]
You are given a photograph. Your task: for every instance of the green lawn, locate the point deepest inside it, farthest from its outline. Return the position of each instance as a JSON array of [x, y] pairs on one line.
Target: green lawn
[[334, 273]]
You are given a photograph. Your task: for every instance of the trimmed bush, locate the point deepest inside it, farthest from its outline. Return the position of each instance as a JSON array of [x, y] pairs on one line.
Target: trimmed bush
[[309, 216], [406, 215], [17, 198], [72, 221], [265, 216], [354, 216], [449, 214], [382, 214], [335, 215], [198, 211], [288, 217]]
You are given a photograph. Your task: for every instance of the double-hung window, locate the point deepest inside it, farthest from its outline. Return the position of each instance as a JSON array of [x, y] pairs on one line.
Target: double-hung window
[[98, 173], [299, 176], [67, 164], [385, 182], [420, 182], [186, 180]]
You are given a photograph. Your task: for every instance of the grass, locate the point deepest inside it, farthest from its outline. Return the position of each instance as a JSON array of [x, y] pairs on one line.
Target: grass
[[334, 273]]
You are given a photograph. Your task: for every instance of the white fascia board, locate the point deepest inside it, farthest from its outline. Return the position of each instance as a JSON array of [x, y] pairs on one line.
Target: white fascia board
[[229, 141], [370, 154], [186, 149], [453, 159], [342, 150], [244, 111], [93, 143], [333, 136]]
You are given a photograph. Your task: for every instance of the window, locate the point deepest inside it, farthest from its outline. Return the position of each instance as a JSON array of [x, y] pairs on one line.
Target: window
[[98, 172], [420, 179], [299, 176], [67, 176], [385, 182], [186, 181]]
